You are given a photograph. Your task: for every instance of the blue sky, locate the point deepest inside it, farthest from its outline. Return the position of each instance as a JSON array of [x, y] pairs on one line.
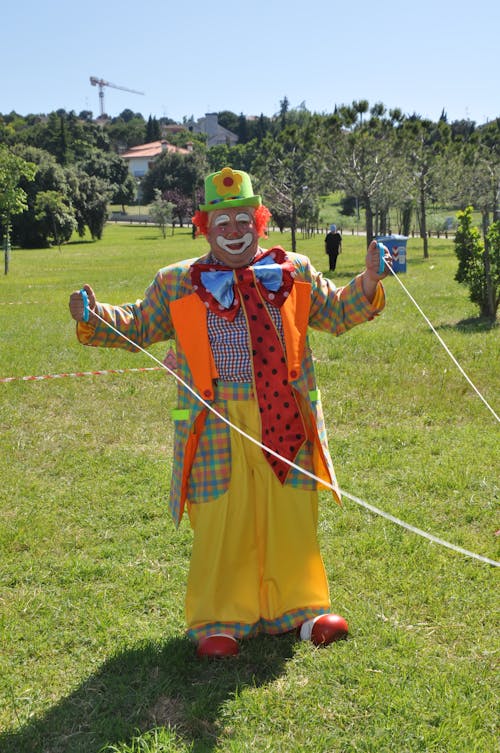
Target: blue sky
[[194, 57]]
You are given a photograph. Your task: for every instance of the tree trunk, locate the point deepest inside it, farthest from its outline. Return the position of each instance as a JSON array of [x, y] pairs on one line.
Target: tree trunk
[[489, 308], [383, 229], [56, 234], [406, 219], [423, 218], [369, 220], [6, 248], [496, 204], [294, 228]]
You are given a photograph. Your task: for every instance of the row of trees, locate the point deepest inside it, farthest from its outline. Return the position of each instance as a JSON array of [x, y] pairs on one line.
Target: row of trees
[[59, 199], [383, 161], [67, 135]]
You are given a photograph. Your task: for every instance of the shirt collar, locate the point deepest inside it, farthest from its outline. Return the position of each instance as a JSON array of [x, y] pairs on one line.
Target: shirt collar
[[212, 259]]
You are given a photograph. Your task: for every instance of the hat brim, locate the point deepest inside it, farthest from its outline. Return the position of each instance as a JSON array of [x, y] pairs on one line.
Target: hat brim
[[249, 201]]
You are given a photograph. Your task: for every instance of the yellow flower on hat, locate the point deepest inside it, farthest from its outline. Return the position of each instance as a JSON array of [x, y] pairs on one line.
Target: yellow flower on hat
[[227, 182]]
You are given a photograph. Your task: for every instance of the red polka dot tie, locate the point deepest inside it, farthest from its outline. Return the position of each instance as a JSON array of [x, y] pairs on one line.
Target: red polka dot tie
[[283, 429]]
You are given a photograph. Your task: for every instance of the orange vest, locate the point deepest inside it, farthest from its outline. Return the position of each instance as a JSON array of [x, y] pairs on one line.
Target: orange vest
[[189, 316]]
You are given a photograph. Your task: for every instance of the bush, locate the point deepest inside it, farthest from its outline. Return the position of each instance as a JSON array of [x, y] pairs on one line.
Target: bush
[[479, 263]]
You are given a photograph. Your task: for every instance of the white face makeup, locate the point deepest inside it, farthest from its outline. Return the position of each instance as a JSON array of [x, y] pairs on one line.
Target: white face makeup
[[232, 236]]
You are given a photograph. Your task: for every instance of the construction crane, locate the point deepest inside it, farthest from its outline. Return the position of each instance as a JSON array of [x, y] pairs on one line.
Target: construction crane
[[101, 84]]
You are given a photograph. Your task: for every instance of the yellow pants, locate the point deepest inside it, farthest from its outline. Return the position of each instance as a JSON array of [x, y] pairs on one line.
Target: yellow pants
[[255, 564]]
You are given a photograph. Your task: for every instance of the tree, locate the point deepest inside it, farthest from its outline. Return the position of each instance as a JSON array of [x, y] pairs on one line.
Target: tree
[[65, 135], [284, 107], [183, 206], [229, 120], [479, 186], [478, 264], [492, 268], [152, 130], [242, 130], [126, 115], [171, 170], [362, 161], [220, 156], [86, 115], [53, 209], [479, 178], [489, 135], [287, 167], [126, 192], [423, 143], [13, 198], [90, 196], [53, 137], [112, 169], [239, 156], [160, 211], [260, 127], [27, 230], [361, 108], [126, 131]]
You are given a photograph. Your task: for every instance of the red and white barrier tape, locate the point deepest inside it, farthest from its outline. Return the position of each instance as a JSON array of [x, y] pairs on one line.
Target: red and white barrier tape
[[101, 372]]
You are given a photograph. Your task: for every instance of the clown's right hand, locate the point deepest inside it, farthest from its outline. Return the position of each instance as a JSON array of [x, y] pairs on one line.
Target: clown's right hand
[[76, 305]]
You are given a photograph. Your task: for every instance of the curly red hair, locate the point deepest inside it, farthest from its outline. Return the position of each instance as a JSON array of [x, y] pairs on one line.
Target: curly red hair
[[262, 216]]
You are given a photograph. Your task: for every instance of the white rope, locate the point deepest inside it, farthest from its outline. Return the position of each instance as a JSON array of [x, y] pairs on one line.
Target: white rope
[[304, 471], [418, 531], [412, 299]]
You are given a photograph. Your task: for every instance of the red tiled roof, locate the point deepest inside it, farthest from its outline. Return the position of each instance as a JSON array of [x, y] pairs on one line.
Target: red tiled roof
[[153, 149]]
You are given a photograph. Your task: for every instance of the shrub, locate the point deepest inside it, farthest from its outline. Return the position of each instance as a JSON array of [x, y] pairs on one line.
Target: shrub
[[479, 263]]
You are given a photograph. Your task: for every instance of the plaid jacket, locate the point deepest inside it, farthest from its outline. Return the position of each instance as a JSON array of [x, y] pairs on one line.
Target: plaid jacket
[[172, 310]]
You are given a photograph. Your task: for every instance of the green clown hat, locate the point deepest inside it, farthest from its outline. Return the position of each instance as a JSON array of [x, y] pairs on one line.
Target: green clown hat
[[229, 188]]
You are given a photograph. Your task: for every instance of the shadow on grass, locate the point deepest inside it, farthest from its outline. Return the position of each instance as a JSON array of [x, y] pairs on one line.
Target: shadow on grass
[[475, 324], [157, 237], [154, 685]]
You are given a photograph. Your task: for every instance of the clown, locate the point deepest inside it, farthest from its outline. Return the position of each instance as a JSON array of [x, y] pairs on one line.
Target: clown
[[239, 316]]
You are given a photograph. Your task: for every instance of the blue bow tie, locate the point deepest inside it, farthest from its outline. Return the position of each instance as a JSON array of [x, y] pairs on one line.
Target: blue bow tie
[[220, 283]]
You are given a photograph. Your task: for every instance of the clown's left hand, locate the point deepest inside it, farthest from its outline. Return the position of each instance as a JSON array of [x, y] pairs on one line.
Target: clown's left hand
[[371, 276]]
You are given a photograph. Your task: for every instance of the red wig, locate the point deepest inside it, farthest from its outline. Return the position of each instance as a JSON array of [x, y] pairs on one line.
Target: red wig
[[261, 218]]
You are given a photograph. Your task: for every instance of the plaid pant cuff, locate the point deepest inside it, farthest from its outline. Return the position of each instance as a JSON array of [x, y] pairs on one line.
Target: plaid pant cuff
[[283, 624]]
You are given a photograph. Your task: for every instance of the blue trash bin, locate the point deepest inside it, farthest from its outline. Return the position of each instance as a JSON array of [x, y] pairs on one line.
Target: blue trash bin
[[397, 248]]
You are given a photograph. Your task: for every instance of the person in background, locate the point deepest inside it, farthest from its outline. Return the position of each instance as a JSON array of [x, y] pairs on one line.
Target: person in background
[[333, 246], [239, 316]]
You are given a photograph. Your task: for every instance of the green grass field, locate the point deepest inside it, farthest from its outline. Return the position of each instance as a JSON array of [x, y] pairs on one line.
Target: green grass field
[[92, 571]]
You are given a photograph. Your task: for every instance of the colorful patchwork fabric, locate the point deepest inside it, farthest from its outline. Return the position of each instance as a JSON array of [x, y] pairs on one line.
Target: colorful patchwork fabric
[[283, 624], [333, 310]]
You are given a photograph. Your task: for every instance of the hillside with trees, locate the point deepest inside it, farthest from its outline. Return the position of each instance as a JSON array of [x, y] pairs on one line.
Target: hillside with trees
[[396, 168]]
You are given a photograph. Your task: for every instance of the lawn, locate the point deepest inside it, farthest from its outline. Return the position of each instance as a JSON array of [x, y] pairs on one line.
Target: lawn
[[92, 571]]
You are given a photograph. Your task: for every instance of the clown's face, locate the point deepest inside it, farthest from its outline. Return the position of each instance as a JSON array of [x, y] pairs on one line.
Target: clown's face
[[232, 236]]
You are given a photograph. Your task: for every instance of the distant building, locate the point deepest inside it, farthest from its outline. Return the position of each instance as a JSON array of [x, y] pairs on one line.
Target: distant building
[[173, 128], [141, 157], [215, 133]]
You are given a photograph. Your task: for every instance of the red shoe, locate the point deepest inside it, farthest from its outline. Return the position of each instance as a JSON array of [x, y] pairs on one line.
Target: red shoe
[[324, 629], [218, 646]]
